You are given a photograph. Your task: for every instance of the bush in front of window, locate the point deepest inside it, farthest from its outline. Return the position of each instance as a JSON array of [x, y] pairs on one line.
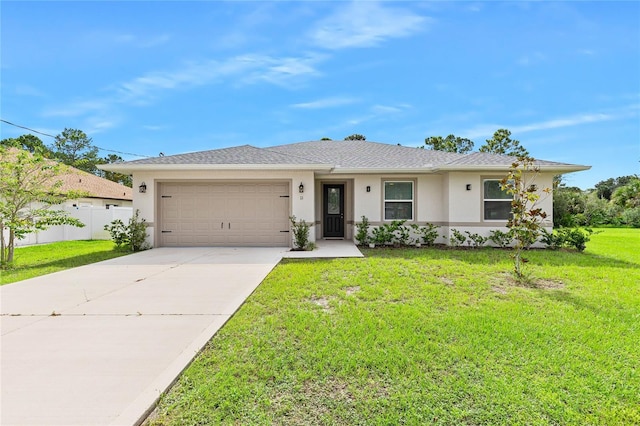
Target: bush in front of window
[[500, 238], [428, 233]]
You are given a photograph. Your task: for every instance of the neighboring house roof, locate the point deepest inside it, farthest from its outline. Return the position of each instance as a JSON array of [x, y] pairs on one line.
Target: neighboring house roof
[[334, 156], [91, 186], [94, 186]]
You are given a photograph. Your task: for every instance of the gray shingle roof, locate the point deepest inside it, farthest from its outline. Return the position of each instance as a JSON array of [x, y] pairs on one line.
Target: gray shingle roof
[[366, 155], [349, 156], [487, 159], [245, 154]]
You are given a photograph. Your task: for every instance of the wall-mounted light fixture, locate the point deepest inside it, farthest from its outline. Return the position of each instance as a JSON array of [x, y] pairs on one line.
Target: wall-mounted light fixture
[[301, 188], [368, 188], [468, 187], [142, 188]]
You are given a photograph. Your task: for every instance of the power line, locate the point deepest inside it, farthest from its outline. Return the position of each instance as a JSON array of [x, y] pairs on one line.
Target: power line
[[52, 136]]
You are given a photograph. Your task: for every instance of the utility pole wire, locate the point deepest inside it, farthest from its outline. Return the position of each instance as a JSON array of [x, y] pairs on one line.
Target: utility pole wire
[[51, 136]]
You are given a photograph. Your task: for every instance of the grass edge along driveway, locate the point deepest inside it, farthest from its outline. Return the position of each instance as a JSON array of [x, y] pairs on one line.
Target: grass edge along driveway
[[427, 336], [42, 259]]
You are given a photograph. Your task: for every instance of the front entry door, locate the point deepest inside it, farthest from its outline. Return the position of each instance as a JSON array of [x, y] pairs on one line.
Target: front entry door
[[333, 225]]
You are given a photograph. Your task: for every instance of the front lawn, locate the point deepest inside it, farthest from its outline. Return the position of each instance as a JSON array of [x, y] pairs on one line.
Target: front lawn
[[32, 261], [428, 336]]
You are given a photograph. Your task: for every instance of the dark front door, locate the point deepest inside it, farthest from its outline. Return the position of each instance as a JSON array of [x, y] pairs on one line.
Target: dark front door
[[333, 196]]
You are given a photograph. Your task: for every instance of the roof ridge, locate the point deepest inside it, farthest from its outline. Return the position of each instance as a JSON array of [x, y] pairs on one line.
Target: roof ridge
[[292, 155]]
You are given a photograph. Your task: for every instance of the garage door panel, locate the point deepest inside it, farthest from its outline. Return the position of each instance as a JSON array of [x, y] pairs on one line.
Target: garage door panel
[[219, 214]]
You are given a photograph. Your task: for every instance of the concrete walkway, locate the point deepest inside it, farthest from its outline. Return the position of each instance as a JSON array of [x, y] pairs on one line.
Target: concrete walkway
[[98, 344]]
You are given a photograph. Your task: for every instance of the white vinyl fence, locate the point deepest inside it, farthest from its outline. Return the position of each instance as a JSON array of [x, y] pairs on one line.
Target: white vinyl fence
[[94, 219]]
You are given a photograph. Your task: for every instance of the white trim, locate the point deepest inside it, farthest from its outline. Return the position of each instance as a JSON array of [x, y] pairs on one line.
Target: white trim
[[129, 168], [484, 200], [385, 201]]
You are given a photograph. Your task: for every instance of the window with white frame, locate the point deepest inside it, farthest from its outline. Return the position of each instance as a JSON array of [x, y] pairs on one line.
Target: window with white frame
[[398, 200], [497, 203]]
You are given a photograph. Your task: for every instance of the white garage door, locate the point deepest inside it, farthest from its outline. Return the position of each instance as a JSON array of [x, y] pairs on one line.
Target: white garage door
[[224, 214]]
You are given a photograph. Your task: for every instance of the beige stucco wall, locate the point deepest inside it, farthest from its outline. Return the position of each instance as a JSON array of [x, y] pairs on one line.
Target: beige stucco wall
[[466, 207], [302, 205], [428, 193], [441, 199]]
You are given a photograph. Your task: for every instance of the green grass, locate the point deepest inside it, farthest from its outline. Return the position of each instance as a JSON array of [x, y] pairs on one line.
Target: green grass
[[32, 261], [428, 336]]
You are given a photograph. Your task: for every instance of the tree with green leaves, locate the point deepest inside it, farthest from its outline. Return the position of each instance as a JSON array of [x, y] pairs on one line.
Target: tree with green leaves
[[501, 143], [120, 178], [74, 148], [526, 217], [356, 137], [627, 196], [29, 189], [30, 143], [451, 143], [606, 188]]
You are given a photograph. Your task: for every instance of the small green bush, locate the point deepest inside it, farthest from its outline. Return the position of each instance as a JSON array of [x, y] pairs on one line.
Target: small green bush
[[300, 231], [362, 233], [552, 240], [475, 240], [576, 238], [428, 233], [456, 238], [500, 238], [133, 235], [401, 233], [382, 235]]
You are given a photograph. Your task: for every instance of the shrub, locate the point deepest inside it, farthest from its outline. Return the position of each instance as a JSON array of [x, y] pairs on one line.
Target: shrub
[[362, 234], [134, 234], [382, 235], [300, 234], [401, 233], [456, 238], [552, 240], [500, 238], [576, 237], [631, 217], [428, 233], [567, 237], [475, 240]]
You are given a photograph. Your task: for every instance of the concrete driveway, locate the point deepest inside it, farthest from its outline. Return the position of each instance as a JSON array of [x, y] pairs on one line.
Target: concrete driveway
[[97, 345]]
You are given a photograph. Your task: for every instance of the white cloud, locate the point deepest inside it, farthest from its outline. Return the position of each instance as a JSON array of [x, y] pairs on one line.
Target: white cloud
[[486, 130], [77, 108], [282, 71], [385, 109], [365, 24], [132, 40], [531, 59], [379, 112], [153, 128], [246, 68], [96, 125], [102, 113], [326, 103], [26, 90], [587, 52]]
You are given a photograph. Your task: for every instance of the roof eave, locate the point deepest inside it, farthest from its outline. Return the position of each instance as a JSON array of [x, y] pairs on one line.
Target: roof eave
[[381, 170], [560, 168], [131, 168]]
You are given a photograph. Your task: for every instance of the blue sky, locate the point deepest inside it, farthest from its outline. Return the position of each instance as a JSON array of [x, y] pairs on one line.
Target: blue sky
[[174, 77]]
